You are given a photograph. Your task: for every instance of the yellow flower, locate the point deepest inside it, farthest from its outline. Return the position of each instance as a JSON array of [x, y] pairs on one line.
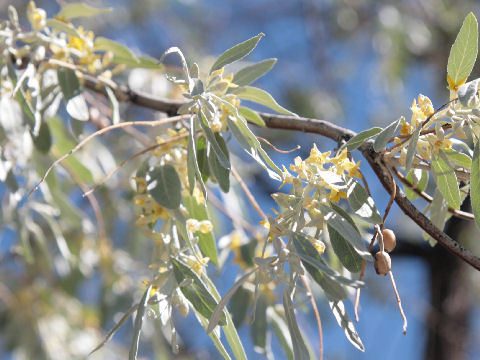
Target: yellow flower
[[299, 167], [197, 263], [205, 226], [318, 158], [452, 85], [320, 246], [37, 17], [193, 225], [287, 178], [343, 164], [336, 195]]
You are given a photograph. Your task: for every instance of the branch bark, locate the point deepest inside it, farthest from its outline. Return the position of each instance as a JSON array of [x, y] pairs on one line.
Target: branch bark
[[316, 126]]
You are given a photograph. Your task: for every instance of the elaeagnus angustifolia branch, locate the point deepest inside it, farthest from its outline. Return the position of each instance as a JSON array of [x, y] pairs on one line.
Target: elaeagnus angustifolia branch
[[314, 126]]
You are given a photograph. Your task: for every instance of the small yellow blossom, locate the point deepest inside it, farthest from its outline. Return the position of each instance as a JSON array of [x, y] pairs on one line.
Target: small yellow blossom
[[318, 158], [287, 178], [36, 16], [320, 246], [193, 225], [205, 226], [335, 195], [197, 263]]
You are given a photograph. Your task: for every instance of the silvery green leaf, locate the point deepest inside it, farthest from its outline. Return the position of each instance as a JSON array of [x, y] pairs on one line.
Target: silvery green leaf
[[438, 213], [343, 320], [197, 88], [236, 53], [117, 326], [362, 204], [281, 330], [43, 141], [346, 253], [187, 80], [467, 92], [221, 174], [258, 329], [419, 179], [251, 116], [119, 50], [206, 242], [63, 27], [72, 95], [239, 304], [260, 97], [475, 183], [138, 324], [222, 158], [446, 180], [458, 158], [114, 105], [412, 148], [250, 73], [300, 350], [348, 232], [197, 292], [361, 137], [464, 50], [383, 137], [76, 10], [165, 187]]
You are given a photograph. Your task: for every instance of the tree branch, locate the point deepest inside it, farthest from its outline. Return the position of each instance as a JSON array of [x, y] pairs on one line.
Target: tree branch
[[315, 126]]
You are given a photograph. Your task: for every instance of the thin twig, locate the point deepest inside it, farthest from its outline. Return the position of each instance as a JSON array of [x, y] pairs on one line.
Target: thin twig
[[277, 149], [399, 303], [134, 156], [458, 213], [317, 317], [392, 197], [249, 195], [103, 131]]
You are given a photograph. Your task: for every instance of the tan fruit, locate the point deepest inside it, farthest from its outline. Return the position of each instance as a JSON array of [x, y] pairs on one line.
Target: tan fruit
[[383, 263], [389, 240]]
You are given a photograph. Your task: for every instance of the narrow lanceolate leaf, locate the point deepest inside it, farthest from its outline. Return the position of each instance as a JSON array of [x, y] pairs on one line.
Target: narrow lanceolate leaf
[[75, 10], [360, 138], [362, 204], [419, 180], [260, 97], [458, 158], [446, 180], [312, 262], [222, 158], [72, 94], [63, 27], [251, 116], [206, 242], [347, 254], [43, 140], [385, 135], [281, 330], [164, 185], [117, 49], [300, 350], [349, 232], [114, 105], [250, 73], [412, 148], [343, 320], [475, 183], [192, 163], [236, 53], [117, 326], [345, 251], [221, 174], [138, 324], [464, 51], [258, 329], [196, 292]]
